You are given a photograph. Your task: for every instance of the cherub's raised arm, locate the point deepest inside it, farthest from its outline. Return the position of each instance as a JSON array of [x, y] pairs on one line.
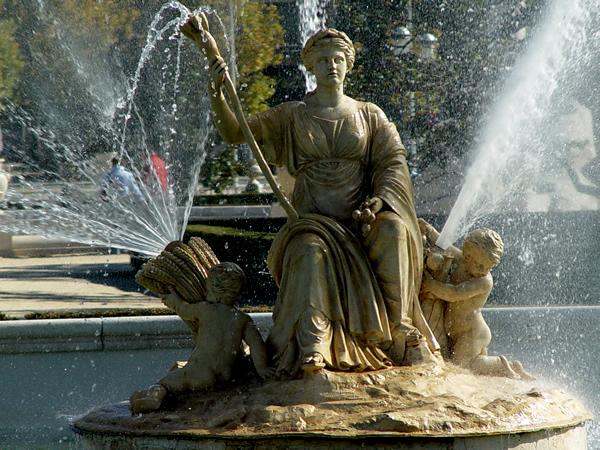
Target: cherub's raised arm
[[185, 310], [428, 231], [433, 235], [460, 292]]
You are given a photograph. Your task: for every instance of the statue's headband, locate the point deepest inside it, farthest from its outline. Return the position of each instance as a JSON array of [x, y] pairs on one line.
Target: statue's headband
[[329, 37]]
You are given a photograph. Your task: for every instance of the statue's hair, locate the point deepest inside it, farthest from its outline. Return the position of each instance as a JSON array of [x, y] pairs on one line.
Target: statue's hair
[[488, 241], [338, 38], [236, 285]]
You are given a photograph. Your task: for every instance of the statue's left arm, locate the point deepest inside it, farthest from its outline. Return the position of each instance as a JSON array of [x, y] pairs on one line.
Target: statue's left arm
[[390, 177], [391, 186], [391, 182]]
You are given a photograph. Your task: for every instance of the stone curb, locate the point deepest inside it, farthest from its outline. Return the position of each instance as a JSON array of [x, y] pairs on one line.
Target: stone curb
[[161, 332], [109, 334]]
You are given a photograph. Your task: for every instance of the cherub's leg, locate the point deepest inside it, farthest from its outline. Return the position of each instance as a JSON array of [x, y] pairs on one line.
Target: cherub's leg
[[518, 368], [151, 400], [493, 365], [464, 352], [195, 376]]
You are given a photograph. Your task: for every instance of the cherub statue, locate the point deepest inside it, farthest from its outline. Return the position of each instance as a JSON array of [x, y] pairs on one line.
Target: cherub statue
[[466, 291], [221, 329]]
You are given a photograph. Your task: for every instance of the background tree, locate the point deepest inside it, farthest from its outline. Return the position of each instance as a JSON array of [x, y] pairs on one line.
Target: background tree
[[11, 63], [69, 85], [77, 59]]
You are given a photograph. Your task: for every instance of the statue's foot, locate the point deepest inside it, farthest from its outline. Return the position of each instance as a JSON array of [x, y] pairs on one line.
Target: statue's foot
[[137, 395], [312, 362], [421, 354], [145, 404]]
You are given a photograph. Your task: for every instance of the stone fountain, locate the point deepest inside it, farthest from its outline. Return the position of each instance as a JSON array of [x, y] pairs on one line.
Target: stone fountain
[[218, 399], [437, 403], [371, 344]]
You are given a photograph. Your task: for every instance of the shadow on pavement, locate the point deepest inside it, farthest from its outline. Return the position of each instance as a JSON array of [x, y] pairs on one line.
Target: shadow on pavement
[[117, 275]]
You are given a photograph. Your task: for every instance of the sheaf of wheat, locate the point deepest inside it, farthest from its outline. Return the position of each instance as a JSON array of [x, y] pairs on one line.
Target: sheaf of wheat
[[180, 267]]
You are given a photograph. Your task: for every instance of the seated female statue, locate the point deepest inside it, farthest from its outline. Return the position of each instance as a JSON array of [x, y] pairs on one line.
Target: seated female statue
[[348, 284]]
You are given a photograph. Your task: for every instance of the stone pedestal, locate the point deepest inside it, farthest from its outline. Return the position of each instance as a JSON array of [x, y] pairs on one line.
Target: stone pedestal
[[5, 242], [401, 407]]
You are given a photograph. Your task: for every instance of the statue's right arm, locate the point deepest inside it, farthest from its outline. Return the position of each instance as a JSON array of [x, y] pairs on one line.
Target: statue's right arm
[[196, 28], [185, 310], [225, 121]]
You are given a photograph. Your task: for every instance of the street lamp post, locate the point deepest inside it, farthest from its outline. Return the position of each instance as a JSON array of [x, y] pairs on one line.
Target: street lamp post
[[424, 47]]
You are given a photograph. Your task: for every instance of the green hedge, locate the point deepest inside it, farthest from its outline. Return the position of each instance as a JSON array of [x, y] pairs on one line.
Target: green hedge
[[246, 198], [248, 249]]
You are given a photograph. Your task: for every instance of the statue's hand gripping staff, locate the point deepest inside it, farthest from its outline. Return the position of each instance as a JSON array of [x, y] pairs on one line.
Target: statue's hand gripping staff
[[196, 28]]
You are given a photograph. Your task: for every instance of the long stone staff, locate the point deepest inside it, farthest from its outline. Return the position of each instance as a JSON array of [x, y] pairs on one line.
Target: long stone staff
[[199, 24]]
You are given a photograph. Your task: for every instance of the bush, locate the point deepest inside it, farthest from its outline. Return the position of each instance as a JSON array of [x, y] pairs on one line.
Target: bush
[[248, 249]]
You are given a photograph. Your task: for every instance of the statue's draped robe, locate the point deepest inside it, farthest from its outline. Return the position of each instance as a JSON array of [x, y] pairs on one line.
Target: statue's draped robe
[[319, 262]]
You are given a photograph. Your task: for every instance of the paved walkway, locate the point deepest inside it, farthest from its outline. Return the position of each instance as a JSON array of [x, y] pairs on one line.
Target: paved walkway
[[70, 283]]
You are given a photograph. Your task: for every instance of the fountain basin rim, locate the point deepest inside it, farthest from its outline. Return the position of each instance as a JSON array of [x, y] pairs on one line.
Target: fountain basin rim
[[200, 434], [142, 332], [490, 408]]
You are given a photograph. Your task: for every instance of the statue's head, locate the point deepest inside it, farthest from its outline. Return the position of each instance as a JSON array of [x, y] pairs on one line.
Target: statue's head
[[485, 245], [328, 37], [225, 284]]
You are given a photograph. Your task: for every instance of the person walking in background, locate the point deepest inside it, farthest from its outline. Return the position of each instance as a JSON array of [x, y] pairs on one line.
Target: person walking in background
[[154, 171], [119, 182]]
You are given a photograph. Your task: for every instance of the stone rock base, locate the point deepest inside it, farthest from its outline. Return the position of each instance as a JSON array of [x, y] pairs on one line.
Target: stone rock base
[[568, 438], [401, 407]]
